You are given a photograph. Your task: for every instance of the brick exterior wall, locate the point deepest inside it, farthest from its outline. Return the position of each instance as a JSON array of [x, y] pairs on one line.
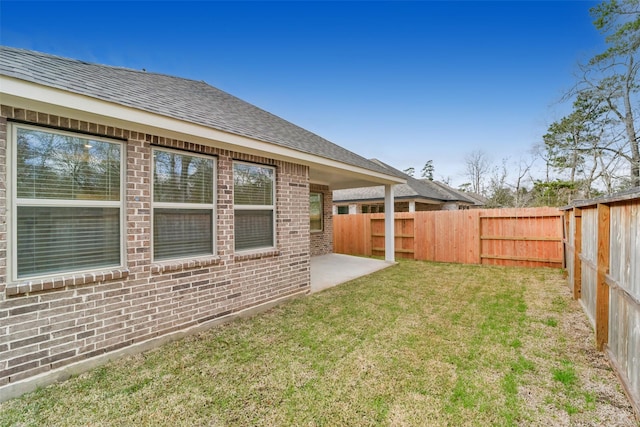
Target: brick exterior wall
[[50, 323], [322, 242]]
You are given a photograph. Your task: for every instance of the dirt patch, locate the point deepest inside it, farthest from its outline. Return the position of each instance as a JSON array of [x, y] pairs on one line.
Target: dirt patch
[[583, 388]]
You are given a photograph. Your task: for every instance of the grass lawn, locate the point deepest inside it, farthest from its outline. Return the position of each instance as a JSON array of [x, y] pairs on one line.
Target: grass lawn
[[415, 344]]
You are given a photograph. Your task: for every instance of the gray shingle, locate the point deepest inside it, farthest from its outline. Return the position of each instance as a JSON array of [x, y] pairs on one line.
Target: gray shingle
[[183, 99], [473, 198], [414, 188]]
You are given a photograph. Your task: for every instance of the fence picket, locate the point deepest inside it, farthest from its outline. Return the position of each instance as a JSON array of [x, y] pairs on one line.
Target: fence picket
[[519, 237]]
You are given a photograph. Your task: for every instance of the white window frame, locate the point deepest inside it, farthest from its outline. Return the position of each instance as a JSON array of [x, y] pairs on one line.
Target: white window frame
[[15, 202], [257, 207], [186, 206]]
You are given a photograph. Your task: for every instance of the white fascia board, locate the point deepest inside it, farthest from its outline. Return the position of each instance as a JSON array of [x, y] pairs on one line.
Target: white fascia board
[[28, 95]]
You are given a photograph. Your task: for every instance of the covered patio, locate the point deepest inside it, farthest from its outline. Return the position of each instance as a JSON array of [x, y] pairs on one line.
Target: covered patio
[[333, 269]]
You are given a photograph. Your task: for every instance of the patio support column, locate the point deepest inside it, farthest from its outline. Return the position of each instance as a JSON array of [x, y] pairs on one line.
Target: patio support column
[[389, 229]]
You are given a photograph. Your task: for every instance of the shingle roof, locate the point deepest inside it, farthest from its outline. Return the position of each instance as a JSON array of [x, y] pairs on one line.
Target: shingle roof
[[474, 198], [175, 97], [414, 188]]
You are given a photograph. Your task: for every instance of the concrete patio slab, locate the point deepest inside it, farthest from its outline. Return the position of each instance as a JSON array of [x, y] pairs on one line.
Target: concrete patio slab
[[334, 269]]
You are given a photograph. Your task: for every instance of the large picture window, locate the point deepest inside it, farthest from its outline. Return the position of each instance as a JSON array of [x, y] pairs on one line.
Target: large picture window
[[183, 205], [254, 206], [67, 202], [315, 212]]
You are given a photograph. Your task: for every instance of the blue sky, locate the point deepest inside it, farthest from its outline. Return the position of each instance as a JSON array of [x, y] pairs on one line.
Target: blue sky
[[404, 82]]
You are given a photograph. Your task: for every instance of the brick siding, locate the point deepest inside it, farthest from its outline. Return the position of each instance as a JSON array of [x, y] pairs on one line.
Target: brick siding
[[49, 323], [322, 242]]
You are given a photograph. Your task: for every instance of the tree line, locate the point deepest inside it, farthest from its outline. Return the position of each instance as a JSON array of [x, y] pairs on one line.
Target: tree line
[[596, 147], [593, 150]]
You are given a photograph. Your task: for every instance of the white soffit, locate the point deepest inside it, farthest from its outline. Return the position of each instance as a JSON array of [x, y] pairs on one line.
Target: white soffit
[[22, 94]]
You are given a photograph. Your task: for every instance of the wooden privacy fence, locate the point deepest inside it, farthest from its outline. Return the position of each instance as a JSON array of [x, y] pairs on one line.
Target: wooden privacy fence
[[529, 237], [603, 268]]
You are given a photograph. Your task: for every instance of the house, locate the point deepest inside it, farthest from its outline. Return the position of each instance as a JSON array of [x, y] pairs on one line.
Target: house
[[415, 195], [136, 207], [479, 201]]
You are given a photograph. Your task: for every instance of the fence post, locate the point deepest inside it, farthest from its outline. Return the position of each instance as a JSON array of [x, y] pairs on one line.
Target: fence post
[[577, 249], [565, 238], [602, 290], [479, 236], [368, 238]]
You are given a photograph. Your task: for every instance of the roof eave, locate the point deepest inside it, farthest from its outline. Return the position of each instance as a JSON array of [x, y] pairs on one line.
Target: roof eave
[[420, 199], [23, 94]]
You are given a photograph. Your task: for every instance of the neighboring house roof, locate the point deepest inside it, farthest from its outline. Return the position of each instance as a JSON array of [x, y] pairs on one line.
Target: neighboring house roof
[[413, 189], [178, 98], [479, 198], [476, 199]]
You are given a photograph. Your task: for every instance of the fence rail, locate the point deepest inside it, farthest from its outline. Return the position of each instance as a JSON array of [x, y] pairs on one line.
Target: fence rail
[[602, 243], [529, 237], [597, 241]]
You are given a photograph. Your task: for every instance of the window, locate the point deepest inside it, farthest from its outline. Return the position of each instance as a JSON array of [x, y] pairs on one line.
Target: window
[[372, 208], [183, 205], [254, 206], [67, 203], [343, 210], [315, 212]]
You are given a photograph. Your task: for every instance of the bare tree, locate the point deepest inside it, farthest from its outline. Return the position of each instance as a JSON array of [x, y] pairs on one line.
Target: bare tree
[[477, 167], [611, 78], [499, 193], [522, 168]]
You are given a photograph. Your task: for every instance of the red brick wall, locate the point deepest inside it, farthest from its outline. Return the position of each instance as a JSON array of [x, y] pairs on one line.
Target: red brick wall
[[46, 324], [322, 242]]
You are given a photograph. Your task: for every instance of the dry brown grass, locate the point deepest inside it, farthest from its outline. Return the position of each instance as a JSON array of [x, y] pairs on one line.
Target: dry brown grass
[[416, 344], [564, 342]]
